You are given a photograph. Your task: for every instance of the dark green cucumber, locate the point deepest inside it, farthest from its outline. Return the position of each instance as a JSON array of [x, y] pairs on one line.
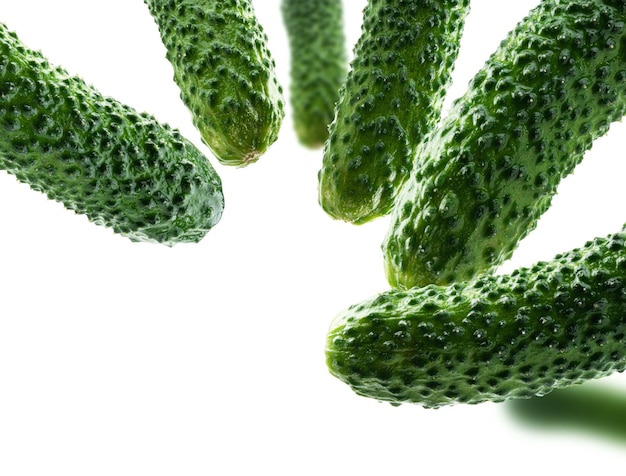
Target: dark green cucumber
[[318, 65], [591, 409], [490, 170], [121, 168], [492, 338], [225, 73], [391, 99]]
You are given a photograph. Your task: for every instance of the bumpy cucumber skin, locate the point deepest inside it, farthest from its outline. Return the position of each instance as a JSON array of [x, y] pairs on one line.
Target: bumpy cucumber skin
[[120, 168], [488, 173], [318, 65], [492, 338], [391, 99], [225, 73]]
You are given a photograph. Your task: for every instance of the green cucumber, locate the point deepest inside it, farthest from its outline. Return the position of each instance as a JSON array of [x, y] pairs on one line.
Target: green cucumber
[[101, 158], [592, 409], [318, 65], [490, 170], [225, 72], [391, 99], [492, 338]]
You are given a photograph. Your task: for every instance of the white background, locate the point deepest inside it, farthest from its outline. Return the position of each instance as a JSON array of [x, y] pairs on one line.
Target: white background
[[136, 359]]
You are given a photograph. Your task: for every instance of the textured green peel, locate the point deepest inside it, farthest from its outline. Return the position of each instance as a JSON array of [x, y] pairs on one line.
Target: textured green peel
[[491, 338], [225, 73], [318, 65], [391, 99], [487, 174], [120, 168]]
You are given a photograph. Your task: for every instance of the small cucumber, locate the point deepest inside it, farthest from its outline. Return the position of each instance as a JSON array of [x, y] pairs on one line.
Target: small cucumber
[[318, 65], [492, 338], [490, 170], [99, 157], [225, 73], [391, 99]]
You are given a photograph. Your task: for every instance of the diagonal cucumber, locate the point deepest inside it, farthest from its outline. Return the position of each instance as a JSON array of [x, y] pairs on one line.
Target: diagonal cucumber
[[490, 170], [391, 99], [119, 167]]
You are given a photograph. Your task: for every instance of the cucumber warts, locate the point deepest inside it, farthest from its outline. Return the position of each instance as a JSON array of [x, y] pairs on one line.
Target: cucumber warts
[[491, 338], [490, 170], [392, 97], [318, 65], [225, 73], [98, 157]]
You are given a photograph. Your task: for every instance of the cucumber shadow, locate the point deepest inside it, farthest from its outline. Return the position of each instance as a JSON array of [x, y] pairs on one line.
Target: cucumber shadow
[[590, 409]]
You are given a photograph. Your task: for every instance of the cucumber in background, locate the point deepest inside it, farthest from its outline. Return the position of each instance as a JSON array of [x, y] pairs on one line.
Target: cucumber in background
[[120, 168], [391, 100], [487, 174], [591, 409], [225, 72], [318, 65], [492, 338]]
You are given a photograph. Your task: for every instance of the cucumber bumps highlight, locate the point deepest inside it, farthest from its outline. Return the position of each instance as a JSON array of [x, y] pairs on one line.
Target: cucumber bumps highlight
[[318, 65], [391, 99], [492, 338], [225, 73], [120, 168], [487, 174]]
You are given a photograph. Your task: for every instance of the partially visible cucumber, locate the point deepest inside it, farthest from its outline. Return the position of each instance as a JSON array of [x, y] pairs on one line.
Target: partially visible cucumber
[[492, 338], [591, 409], [490, 170], [98, 157], [318, 64], [225, 73], [391, 99]]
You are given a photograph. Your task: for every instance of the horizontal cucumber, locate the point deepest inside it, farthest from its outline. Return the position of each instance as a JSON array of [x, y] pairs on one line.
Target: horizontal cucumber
[[318, 65], [591, 409], [492, 338], [120, 168], [225, 72], [490, 170], [391, 99]]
